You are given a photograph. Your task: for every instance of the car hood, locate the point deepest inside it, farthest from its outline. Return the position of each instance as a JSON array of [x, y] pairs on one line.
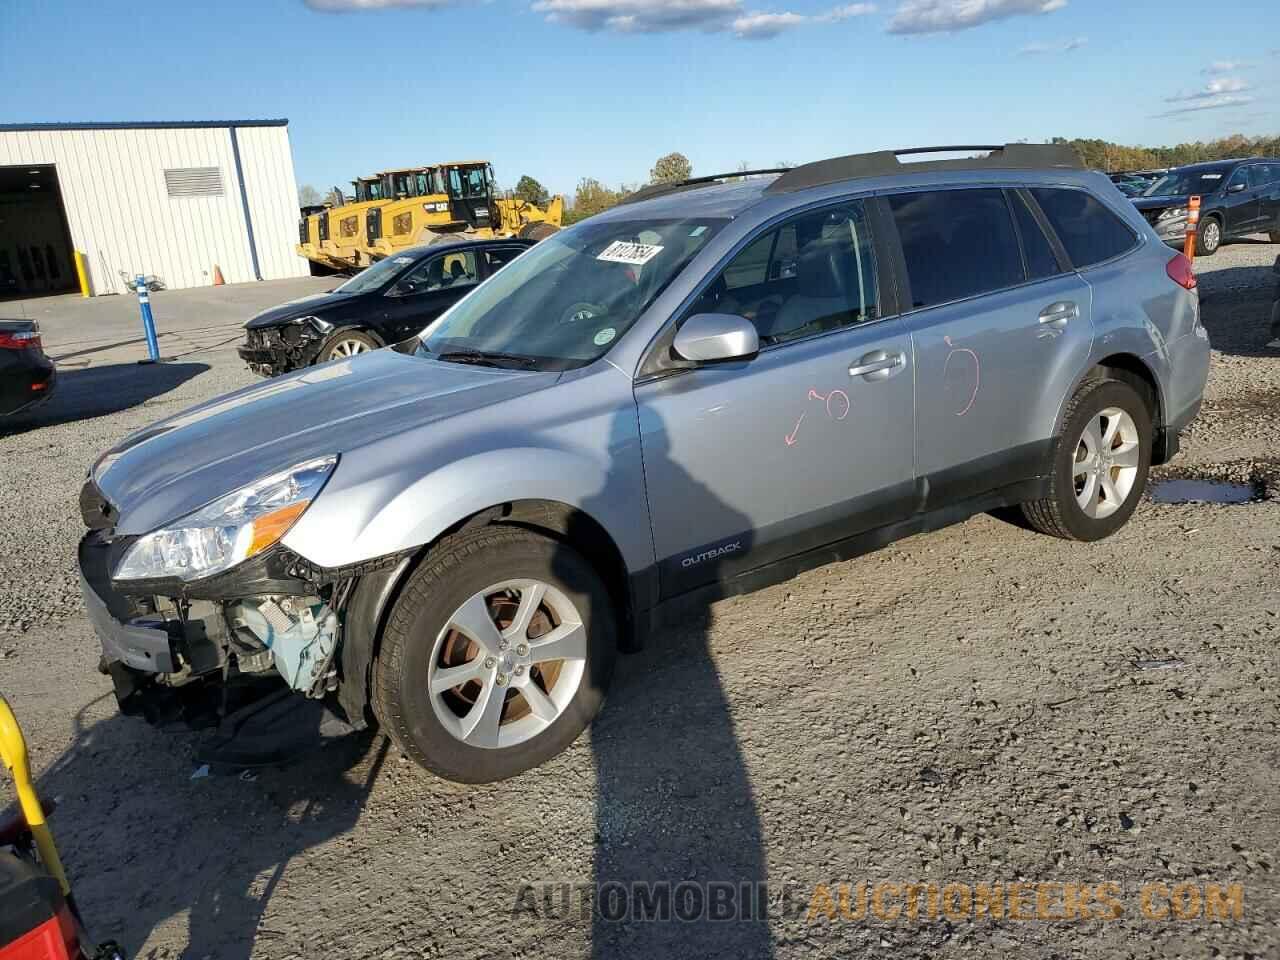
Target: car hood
[[303, 306], [175, 466], [1159, 203]]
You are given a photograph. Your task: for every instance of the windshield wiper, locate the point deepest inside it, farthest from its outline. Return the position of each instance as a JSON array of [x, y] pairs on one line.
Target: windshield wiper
[[487, 358]]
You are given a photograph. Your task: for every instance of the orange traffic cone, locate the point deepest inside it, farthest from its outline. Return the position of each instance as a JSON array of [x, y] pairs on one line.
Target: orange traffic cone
[[217, 276]]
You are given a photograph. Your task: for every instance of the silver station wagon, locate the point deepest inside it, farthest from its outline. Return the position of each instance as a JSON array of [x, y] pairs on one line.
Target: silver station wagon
[[704, 390]]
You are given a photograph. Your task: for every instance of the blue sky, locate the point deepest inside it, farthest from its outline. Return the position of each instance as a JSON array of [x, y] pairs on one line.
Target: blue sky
[[562, 89]]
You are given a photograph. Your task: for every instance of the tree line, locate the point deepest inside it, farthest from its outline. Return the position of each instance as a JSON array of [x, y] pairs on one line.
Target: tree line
[[1110, 157]]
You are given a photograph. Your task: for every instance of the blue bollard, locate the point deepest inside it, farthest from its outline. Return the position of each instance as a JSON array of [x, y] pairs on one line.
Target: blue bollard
[[148, 321]]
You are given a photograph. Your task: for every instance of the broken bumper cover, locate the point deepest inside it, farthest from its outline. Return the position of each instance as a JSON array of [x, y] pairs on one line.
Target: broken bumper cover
[[140, 644], [271, 351]]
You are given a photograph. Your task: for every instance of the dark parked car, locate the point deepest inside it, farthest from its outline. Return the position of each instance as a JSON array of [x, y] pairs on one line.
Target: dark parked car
[[26, 374], [383, 304], [1237, 198]]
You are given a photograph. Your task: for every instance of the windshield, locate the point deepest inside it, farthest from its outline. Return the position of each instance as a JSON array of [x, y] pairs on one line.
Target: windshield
[[374, 277], [1180, 183], [568, 298], [468, 182]]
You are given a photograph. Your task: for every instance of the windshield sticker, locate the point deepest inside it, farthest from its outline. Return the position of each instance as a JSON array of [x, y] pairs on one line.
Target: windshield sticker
[[1210, 176], [403, 260], [697, 231], [636, 254], [605, 335]]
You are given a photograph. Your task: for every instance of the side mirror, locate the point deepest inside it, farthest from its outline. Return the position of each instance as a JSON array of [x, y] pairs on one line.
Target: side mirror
[[1235, 188], [709, 337]]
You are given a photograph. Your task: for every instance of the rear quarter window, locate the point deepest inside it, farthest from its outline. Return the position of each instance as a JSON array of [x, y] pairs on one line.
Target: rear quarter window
[[1088, 230]]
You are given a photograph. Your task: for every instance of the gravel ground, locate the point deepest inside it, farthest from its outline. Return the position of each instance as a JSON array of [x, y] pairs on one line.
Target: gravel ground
[[980, 705]]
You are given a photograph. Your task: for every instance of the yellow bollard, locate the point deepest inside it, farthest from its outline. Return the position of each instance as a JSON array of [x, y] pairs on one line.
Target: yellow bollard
[[13, 751], [82, 273]]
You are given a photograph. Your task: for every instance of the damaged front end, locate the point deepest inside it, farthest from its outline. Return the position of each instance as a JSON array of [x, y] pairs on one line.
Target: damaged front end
[[210, 613], [272, 350], [198, 652]]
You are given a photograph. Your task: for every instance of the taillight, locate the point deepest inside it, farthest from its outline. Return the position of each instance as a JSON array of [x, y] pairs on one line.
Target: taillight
[[19, 340], [1181, 271]]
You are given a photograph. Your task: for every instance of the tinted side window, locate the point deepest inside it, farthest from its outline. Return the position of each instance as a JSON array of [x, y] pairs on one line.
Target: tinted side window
[[957, 244], [1041, 261], [812, 274], [499, 258], [1090, 232]]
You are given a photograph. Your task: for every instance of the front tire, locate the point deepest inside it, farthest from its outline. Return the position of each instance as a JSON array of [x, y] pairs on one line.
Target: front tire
[[1100, 463], [496, 656], [346, 344], [1209, 239]]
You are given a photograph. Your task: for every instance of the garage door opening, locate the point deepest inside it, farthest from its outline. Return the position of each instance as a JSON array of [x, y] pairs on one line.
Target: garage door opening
[[35, 244]]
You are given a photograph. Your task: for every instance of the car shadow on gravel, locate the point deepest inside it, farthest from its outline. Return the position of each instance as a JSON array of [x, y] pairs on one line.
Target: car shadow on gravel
[[145, 842], [677, 834], [87, 392], [1238, 308]]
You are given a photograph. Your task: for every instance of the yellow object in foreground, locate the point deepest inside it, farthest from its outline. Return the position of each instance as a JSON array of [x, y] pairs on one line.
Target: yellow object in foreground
[[13, 751]]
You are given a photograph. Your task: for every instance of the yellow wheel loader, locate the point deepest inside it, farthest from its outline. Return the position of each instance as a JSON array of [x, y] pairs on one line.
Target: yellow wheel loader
[[458, 199]]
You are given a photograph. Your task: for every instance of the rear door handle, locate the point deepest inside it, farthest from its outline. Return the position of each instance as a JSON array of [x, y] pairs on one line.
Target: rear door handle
[[1057, 314], [878, 365]]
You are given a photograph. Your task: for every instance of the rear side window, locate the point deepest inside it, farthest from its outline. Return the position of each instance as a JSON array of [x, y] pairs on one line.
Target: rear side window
[[957, 244], [1088, 230], [1041, 260]]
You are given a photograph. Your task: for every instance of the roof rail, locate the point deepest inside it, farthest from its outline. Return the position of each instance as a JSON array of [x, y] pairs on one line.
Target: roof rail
[[1010, 156], [659, 189]]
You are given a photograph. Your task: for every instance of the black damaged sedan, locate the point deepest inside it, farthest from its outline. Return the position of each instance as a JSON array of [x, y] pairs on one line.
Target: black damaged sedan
[[383, 304]]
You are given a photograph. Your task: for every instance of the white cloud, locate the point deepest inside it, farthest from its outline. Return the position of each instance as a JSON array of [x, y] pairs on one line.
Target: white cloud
[[1211, 90], [1058, 46], [761, 26], [659, 16], [847, 12], [941, 16], [1215, 103], [642, 16], [1225, 66], [352, 6]]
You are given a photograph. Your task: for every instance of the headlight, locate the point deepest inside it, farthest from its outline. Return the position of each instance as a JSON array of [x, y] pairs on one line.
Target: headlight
[[321, 326], [228, 531], [1174, 213]]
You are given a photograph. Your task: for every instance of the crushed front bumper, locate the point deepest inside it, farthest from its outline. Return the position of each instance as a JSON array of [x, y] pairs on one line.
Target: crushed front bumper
[[271, 351]]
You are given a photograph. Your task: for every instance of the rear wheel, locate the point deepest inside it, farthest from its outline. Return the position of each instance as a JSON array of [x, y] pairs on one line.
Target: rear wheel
[[538, 230], [1210, 237], [496, 656], [345, 344], [1101, 459]]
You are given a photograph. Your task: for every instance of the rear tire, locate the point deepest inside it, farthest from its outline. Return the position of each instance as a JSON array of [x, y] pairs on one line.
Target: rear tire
[[1100, 461], [538, 231], [514, 705], [1209, 237]]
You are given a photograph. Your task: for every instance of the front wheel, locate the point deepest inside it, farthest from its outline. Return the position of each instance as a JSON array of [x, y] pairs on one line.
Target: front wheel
[[1100, 464], [496, 656], [1210, 238], [345, 344]]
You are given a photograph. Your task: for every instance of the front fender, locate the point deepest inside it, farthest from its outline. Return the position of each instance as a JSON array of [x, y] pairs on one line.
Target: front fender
[[382, 501]]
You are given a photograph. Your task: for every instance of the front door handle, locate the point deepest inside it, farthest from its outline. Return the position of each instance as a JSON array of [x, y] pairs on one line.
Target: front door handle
[[1057, 314], [878, 365]]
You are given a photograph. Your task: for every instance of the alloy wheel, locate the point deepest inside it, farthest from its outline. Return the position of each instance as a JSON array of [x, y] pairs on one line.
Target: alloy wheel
[[348, 348], [1212, 236], [1105, 467], [507, 664]]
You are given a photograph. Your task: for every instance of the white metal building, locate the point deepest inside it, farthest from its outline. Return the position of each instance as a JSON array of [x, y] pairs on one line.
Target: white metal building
[[170, 200]]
